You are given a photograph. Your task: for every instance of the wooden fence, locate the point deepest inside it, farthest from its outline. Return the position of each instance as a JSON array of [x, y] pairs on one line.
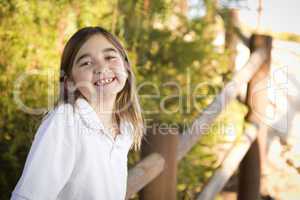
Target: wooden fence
[[155, 176]]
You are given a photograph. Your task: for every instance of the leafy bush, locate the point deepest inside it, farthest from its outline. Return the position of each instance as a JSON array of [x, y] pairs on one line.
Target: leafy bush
[[166, 49]]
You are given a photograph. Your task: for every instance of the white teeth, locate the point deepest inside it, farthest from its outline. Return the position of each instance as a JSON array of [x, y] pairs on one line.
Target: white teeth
[[104, 81]]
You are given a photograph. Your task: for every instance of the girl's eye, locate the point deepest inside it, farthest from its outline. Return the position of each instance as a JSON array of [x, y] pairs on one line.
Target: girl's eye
[[110, 57], [87, 63]]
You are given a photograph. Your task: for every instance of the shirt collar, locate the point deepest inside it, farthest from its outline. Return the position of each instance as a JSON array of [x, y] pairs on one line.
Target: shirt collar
[[88, 114], [91, 120]]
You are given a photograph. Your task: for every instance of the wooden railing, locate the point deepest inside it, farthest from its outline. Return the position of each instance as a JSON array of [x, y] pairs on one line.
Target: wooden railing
[[229, 165], [155, 175]]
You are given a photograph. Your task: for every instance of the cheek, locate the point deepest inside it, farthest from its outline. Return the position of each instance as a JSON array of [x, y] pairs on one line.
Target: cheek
[[82, 81], [82, 75], [122, 75], [120, 71], [117, 64]]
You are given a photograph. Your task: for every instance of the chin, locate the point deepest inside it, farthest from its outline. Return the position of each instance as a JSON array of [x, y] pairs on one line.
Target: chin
[[108, 91]]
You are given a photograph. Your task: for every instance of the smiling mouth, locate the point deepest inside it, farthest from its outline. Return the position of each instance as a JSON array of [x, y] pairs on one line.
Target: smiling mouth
[[105, 81]]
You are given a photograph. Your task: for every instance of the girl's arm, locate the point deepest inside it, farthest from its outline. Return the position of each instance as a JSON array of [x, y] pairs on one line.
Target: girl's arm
[[51, 158]]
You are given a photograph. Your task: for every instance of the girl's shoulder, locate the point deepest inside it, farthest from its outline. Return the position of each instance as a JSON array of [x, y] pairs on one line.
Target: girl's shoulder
[[62, 113]]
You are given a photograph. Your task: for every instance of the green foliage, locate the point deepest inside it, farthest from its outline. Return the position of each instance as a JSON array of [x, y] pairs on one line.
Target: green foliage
[[168, 63], [198, 166], [172, 53], [292, 37], [31, 41]]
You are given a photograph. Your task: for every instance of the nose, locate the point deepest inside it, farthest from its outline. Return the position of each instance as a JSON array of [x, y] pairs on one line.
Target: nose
[[100, 68], [98, 71]]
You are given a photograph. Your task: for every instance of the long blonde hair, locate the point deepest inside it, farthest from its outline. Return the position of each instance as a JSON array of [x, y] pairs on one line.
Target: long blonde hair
[[126, 106]]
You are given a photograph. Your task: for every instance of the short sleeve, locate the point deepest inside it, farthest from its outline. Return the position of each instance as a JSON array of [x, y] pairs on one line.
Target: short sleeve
[[51, 158]]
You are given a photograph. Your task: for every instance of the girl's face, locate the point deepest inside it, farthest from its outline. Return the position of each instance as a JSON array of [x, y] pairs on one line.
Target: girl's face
[[98, 69]]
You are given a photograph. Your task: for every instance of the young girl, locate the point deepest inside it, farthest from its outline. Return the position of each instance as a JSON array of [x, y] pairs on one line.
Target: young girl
[[80, 149]]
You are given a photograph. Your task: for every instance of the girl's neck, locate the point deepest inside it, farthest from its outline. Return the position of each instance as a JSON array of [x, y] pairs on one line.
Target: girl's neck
[[104, 107]]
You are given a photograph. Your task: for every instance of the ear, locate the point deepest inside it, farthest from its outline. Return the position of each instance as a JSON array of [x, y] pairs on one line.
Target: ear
[[68, 85], [69, 82], [69, 88], [127, 73]]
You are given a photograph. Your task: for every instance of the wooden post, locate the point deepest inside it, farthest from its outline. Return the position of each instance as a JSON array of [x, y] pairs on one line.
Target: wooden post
[[165, 143], [257, 100], [231, 38], [143, 173]]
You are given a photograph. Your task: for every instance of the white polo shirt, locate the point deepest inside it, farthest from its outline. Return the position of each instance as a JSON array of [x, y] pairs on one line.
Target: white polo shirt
[[72, 158]]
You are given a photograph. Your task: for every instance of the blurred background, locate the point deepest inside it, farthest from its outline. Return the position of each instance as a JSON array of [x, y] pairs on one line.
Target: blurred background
[[180, 42]]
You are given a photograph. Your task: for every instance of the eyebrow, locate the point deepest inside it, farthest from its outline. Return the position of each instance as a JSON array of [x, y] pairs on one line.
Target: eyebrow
[[89, 55], [109, 49], [83, 56]]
